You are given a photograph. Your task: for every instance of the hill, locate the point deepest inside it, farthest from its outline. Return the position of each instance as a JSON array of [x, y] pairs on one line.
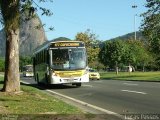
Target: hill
[[30, 37], [129, 36], [61, 39]]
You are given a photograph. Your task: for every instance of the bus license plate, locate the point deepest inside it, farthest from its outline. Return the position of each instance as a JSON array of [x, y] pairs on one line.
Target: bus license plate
[[70, 80]]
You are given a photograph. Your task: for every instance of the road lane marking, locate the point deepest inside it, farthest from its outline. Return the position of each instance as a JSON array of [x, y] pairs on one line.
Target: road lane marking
[[87, 85], [130, 84], [83, 103], [85, 94], [134, 92], [87, 104]]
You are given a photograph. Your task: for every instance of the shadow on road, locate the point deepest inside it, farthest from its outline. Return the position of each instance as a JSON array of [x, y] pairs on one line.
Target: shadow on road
[[42, 86]]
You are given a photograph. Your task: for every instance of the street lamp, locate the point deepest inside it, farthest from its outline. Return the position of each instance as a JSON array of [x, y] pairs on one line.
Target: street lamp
[[135, 6]]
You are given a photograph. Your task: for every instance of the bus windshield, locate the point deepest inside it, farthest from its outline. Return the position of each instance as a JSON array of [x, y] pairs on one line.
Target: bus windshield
[[70, 58]]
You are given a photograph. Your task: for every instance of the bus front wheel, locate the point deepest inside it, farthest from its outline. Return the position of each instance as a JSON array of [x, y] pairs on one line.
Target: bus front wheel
[[78, 84]]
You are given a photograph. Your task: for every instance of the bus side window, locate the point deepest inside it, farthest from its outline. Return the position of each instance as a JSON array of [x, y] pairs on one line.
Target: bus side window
[[34, 61], [47, 56]]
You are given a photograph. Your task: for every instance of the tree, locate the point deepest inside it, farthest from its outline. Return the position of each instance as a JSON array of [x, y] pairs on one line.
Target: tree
[[151, 25], [10, 12], [136, 53], [151, 29], [97, 65], [118, 53], [92, 45], [111, 54], [25, 60]]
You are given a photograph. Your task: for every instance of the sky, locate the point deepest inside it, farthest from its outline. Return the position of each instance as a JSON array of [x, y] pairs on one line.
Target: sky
[[105, 18]]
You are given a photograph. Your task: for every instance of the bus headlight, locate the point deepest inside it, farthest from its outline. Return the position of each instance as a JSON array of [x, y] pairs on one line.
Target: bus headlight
[[54, 74]]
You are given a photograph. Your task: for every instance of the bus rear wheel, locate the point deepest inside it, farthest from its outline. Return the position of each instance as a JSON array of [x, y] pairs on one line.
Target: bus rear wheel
[[37, 78]]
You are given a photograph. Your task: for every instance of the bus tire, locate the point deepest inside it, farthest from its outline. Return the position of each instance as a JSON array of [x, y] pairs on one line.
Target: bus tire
[[46, 78], [37, 78], [78, 84]]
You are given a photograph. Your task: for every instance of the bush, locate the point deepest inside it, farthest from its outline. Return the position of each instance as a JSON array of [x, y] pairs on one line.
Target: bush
[[24, 60], [2, 64]]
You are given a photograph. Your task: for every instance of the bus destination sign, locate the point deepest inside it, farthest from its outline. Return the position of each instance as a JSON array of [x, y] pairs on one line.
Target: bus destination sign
[[67, 44]]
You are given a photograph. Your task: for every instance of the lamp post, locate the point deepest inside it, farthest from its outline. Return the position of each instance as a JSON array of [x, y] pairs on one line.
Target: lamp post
[[135, 35], [135, 6]]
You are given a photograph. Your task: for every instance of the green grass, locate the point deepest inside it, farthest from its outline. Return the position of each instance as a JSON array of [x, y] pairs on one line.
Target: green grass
[[33, 104], [141, 76], [33, 101]]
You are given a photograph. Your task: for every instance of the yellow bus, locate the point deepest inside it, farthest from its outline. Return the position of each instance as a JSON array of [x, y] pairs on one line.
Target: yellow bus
[[61, 62]]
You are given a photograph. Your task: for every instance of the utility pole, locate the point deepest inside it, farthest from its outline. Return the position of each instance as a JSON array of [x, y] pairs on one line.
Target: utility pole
[[135, 6]]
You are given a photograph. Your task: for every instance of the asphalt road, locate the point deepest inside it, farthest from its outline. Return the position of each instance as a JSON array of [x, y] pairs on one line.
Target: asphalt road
[[122, 97]]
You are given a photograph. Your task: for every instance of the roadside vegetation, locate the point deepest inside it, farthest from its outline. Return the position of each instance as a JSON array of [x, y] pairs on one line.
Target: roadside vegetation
[[23, 60], [33, 104], [33, 101], [136, 76], [2, 64]]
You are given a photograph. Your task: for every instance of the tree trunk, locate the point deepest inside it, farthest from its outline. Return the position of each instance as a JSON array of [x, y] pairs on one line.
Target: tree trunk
[[11, 78], [116, 68], [10, 13], [143, 68]]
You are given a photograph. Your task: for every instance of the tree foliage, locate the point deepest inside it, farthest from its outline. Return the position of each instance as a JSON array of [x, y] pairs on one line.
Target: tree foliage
[[10, 11], [151, 29], [136, 53], [112, 53], [2, 64], [25, 60], [92, 46], [151, 25], [123, 53]]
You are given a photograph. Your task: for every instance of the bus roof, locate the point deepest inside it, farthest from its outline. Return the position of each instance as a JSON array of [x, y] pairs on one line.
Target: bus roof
[[56, 44]]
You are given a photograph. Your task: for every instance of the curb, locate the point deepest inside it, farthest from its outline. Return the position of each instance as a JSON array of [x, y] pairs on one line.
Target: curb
[[95, 109]]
